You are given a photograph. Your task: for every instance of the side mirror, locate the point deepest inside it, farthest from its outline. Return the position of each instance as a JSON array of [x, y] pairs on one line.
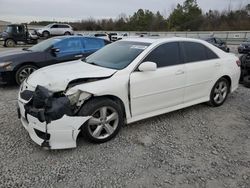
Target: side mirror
[[55, 50], [147, 66]]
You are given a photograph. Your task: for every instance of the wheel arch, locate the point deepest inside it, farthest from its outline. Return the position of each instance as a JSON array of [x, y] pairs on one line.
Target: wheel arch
[[10, 39], [113, 98], [228, 78], [24, 64]]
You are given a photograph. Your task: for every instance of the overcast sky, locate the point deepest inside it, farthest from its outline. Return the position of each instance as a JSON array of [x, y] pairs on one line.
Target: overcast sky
[[72, 10]]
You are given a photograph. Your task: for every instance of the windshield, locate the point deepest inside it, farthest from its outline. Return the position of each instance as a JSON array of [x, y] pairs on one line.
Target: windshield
[[44, 45], [48, 26], [117, 55], [9, 29]]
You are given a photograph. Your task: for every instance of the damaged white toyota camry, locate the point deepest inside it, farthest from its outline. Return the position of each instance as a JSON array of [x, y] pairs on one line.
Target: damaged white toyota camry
[[124, 82]]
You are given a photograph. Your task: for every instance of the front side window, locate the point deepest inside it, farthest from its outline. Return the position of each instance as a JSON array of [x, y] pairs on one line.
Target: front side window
[[165, 55], [117, 55], [194, 52], [44, 45], [69, 45]]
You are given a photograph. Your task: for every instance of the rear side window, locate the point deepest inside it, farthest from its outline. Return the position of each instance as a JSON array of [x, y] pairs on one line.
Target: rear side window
[[63, 26], [92, 43], [165, 55], [194, 52]]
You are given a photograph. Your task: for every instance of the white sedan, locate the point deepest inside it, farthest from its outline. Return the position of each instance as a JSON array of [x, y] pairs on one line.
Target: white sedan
[[124, 82]]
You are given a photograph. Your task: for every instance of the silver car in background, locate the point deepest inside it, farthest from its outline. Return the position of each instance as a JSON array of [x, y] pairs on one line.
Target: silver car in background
[[55, 30]]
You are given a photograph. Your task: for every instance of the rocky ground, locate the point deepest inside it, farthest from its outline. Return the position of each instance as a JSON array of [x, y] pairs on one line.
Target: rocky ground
[[199, 146]]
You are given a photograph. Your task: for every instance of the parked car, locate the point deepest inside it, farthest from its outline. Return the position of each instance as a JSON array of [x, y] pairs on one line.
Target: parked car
[[17, 65], [245, 70], [55, 30], [244, 47], [102, 36], [119, 37], [124, 82], [17, 33], [218, 43]]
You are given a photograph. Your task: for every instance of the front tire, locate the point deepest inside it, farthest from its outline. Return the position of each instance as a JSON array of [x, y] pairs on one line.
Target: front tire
[[46, 34], [23, 72], [67, 33], [106, 120], [219, 92], [10, 43]]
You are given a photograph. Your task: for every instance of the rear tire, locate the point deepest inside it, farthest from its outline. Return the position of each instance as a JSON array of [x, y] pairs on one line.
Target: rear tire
[[219, 92], [10, 43], [106, 121], [23, 72], [246, 81]]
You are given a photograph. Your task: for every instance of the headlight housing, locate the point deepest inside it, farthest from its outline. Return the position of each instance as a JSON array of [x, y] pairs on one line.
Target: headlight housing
[[77, 97], [6, 65]]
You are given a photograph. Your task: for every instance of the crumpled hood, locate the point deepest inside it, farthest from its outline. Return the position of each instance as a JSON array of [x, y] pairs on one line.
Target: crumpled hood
[[57, 77]]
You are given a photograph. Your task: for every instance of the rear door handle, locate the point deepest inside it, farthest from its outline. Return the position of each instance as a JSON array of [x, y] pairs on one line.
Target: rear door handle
[[179, 72], [78, 56]]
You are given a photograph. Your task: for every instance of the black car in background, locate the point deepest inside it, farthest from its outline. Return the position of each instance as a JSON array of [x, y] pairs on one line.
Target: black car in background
[[17, 33], [244, 47], [17, 65], [218, 43]]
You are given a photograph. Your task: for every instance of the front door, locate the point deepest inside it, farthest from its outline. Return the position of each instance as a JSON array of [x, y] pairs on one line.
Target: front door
[[160, 89]]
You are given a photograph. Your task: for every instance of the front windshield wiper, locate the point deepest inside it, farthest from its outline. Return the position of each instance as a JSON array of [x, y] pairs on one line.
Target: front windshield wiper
[[92, 63]]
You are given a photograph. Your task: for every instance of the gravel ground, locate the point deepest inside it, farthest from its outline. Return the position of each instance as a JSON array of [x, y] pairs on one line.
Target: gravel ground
[[199, 146]]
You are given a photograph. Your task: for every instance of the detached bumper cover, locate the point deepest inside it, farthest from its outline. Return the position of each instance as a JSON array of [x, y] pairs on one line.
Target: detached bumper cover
[[49, 119], [62, 133]]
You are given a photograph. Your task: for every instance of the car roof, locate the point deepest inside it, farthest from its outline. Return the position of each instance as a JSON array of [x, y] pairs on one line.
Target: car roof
[[76, 36], [159, 40]]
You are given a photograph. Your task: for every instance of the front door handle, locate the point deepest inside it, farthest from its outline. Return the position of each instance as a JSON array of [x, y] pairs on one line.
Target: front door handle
[[217, 64], [179, 72], [79, 56]]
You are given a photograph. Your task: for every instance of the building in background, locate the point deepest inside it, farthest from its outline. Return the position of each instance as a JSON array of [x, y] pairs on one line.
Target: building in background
[[3, 24]]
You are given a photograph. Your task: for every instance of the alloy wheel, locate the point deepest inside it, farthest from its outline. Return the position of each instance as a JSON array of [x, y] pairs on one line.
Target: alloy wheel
[[220, 92], [103, 122], [25, 72]]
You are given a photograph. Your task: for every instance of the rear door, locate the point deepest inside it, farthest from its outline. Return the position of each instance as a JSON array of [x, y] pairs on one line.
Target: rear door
[[160, 89], [202, 68]]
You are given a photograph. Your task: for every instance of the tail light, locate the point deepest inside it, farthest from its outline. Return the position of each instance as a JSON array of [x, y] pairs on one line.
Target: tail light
[[238, 63]]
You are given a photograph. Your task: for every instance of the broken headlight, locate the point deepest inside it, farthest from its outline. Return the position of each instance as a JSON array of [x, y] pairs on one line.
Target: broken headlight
[[77, 97]]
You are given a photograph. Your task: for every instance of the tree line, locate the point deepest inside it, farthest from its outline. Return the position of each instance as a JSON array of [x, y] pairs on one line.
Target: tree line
[[184, 17]]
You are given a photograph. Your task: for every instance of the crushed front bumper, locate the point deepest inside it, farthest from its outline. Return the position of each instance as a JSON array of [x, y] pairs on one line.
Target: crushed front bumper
[[62, 133]]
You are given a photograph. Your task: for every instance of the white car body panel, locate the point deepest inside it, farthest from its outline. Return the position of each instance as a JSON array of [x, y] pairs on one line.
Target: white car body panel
[[143, 94], [170, 85]]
